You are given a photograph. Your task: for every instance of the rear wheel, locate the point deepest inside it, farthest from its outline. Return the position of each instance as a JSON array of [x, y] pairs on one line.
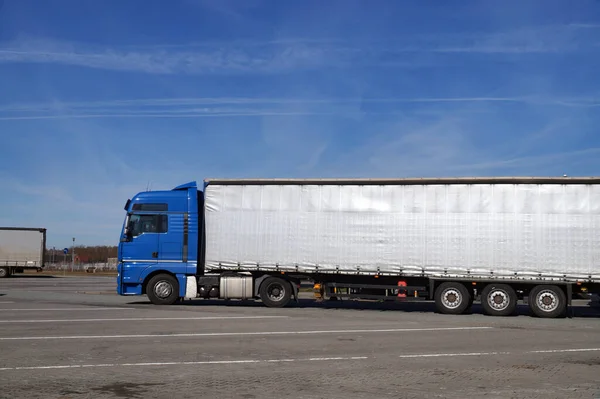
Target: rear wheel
[[547, 301], [452, 298], [275, 292], [4, 273], [499, 300], [163, 289]]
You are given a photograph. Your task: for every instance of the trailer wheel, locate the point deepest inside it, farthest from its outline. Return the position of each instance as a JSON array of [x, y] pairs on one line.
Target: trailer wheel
[[547, 301], [452, 298], [499, 300], [163, 289], [275, 292], [4, 273]]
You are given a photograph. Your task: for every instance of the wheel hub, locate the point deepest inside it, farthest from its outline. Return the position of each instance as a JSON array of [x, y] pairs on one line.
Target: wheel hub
[[163, 289], [451, 298], [547, 301], [498, 300], [276, 292]]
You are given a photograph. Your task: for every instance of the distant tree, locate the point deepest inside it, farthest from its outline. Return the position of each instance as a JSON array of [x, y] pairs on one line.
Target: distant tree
[[85, 254]]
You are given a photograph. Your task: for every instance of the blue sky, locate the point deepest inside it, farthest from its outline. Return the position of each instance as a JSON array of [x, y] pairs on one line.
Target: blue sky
[[98, 99]]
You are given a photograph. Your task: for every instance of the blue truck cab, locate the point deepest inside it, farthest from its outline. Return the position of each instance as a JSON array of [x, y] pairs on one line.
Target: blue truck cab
[[160, 236]]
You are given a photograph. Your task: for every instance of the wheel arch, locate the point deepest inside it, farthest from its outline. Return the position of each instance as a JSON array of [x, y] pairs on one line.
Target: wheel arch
[[434, 283]]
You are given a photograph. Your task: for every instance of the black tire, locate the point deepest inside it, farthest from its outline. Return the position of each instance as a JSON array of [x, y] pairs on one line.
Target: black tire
[[547, 301], [4, 272], [275, 292], [499, 300], [452, 298], [163, 289]]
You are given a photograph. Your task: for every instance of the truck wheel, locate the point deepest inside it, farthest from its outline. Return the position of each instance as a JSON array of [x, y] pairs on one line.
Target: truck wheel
[[163, 289], [275, 292], [452, 298], [4, 272], [547, 301], [499, 300]]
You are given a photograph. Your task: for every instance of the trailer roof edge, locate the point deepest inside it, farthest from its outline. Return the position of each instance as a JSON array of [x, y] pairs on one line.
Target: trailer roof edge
[[406, 181], [40, 229]]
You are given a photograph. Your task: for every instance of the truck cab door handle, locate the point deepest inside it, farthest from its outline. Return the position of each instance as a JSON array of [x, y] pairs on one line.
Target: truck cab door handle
[[155, 254]]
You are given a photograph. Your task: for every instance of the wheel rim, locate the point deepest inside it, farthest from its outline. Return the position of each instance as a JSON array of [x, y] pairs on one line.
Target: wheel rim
[[451, 298], [163, 289], [547, 301], [498, 300], [275, 292], [3, 272]]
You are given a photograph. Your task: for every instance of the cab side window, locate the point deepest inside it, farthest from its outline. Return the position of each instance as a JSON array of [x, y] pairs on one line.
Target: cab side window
[[140, 224]]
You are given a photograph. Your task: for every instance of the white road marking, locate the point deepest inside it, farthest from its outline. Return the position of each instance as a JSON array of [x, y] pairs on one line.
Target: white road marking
[[255, 361], [453, 354], [1, 302], [76, 366], [60, 309], [225, 334], [567, 350], [425, 355], [143, 319]]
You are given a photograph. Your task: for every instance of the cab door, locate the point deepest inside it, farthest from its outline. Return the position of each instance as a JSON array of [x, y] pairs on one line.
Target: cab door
[[171, 239], [142, 242]]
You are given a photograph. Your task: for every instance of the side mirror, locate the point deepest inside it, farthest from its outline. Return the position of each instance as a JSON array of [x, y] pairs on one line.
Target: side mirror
[[127, 235]]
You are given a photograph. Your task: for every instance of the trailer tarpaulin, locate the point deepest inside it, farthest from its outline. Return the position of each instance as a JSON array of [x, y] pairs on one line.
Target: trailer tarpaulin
[[21, 247], [491, 230]]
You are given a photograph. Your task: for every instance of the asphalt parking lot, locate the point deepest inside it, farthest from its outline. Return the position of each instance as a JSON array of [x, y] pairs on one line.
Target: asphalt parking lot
[[72, 337]]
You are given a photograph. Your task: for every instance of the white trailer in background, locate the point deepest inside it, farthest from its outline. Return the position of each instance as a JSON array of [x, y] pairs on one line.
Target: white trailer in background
[[21, 248]]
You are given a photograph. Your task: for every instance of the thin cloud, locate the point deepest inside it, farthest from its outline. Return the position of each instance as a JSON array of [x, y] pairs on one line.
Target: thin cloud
[[162, 115], [527, 161], [228, 59], [198, 101], [213, 107], [286, 55]]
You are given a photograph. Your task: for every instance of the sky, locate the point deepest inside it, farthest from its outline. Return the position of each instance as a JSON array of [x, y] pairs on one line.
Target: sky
[[102, 99]]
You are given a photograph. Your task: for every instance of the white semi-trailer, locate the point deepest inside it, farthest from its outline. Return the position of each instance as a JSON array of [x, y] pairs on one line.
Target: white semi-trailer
[[21, 248]]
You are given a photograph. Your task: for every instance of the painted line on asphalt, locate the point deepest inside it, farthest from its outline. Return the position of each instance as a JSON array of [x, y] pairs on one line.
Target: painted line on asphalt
[[142, 319], [60, 309], [427, 355], [226, 334], [2, 302], [249, 361], [287, 360], [452, 354], [567, 350]]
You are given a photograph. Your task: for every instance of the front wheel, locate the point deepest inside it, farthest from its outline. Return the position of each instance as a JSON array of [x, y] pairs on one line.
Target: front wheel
[[4, 273], [275, 292], [547, 301], [452, 298], [163, 289]]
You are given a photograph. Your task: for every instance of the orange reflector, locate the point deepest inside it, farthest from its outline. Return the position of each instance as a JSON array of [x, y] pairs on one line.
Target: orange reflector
[[401, 284]]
